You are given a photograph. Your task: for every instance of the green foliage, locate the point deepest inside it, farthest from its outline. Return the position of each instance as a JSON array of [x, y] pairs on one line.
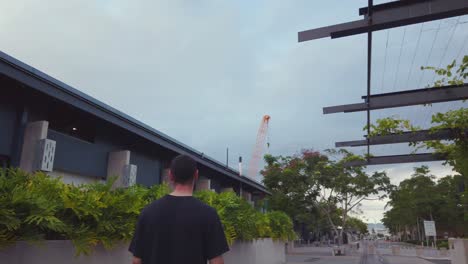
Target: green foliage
[[38, 207], [319, 191], [456, 150], [390, 125], [448, 76], [292, 188], [421, 197], [243, 222], [357, 225]]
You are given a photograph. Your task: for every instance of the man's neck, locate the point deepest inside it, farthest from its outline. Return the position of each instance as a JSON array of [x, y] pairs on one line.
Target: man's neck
[[182, 190]]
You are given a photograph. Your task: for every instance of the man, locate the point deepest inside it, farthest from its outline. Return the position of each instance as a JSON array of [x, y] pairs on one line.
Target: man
[[178, 228]]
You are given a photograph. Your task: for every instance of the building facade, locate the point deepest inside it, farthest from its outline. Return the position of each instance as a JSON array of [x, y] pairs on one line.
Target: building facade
[[49, 126]]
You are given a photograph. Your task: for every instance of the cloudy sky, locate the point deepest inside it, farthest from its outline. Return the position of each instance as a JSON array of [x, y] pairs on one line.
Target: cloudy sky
[[205, 72]]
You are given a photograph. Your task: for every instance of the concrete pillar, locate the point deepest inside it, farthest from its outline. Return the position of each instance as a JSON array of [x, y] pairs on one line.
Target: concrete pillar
[[247, 196], [166, 180], [117, 163], [460, 251], [203, 185], [230, 189], [165, 176], [33, 133]]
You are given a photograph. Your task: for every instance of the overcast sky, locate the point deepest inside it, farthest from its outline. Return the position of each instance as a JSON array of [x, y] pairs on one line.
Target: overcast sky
[[205, 72]]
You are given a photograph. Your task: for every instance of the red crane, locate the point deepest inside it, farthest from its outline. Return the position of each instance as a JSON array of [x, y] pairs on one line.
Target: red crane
[[259, 146]]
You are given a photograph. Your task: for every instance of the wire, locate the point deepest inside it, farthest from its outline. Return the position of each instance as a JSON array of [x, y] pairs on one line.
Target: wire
[[444, 107], [446, 48], [385, 62], [414, 55], [399, 58], [430, 53], [462, 46]]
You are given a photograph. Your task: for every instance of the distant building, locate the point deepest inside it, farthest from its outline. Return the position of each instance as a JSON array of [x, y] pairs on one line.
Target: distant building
[[376, 229], [47, 125]]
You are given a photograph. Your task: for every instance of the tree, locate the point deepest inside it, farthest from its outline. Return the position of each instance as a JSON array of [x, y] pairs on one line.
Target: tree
[[421, 197], [356, 224], [292, 188], [314, 189], [346, 187]]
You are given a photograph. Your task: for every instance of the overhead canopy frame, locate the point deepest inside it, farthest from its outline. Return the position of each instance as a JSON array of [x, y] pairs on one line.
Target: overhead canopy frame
[[404, 98], [404, 137], [385, 16], [408, 158], [391, 15]]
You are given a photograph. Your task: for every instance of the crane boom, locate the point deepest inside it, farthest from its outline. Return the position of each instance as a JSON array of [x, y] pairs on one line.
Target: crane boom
[[258, 149]]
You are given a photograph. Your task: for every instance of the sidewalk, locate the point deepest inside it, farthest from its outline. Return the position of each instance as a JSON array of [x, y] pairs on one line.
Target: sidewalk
[[409, 260], [318, 255]]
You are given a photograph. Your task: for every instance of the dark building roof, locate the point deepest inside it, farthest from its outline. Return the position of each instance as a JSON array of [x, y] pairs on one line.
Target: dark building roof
[[46, 84]]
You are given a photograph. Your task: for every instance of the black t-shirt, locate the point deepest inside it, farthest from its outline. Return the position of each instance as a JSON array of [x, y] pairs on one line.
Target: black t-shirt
[[178, 230]]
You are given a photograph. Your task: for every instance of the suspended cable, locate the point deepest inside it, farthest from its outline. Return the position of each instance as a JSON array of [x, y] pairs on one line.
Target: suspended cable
[[427, 112], [430, 53], [446, 48], [399, 58], [462, 46], [443, 107], [414, 55], [385, 61]]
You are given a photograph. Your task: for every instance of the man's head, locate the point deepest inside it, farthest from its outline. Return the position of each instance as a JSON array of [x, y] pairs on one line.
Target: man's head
[[184, 170]]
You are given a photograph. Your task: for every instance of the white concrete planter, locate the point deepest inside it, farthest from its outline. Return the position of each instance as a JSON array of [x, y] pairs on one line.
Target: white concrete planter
[[262, 251], [62, 251], [459, 248]]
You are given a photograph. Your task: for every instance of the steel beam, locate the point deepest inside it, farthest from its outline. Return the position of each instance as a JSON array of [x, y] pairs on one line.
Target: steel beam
[[405, 98], [391, 15], [405, 137], [409, 158]]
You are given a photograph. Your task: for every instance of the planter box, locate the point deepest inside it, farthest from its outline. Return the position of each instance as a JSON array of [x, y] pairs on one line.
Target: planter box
[[262, 251], [459, 250], [62, 251]]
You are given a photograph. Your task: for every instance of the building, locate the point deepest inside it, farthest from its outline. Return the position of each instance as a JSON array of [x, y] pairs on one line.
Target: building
[[47, 125]]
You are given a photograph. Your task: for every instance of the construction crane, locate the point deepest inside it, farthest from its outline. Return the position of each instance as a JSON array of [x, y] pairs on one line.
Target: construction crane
[[259, 147]]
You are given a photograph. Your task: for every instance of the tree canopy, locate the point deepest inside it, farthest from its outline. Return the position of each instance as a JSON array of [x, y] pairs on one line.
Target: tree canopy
[[318, 191], [420, 198]]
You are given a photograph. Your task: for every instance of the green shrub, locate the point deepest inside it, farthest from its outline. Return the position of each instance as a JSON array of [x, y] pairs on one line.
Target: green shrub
[[38, 207], [242, 221], [442, 244]]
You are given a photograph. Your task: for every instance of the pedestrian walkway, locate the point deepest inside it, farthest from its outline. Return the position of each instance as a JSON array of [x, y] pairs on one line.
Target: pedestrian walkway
[[318, 255], [369, 253]]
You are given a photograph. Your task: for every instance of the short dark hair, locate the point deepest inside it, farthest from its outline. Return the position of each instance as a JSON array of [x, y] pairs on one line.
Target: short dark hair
[[183, 168]]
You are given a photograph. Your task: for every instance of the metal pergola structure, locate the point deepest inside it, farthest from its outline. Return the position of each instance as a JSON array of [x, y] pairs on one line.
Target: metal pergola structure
[[404, 98], [404, 137], [385, 16]]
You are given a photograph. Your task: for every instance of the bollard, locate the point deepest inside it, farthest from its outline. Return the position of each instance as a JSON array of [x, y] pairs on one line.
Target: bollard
[[419, 251], [371, 249], [395, 250]]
